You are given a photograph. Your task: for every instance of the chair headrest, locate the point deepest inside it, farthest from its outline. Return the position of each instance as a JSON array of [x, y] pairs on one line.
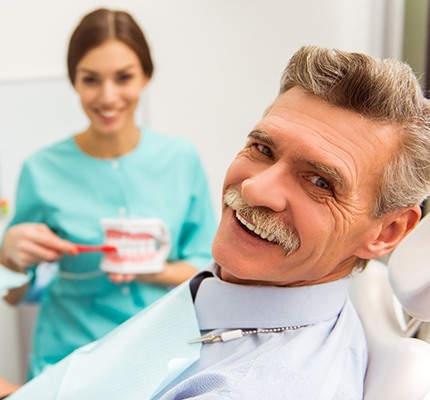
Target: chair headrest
[[409, 271]]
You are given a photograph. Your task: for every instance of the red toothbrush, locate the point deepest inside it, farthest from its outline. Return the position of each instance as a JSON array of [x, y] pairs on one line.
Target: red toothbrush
[[105, 248]]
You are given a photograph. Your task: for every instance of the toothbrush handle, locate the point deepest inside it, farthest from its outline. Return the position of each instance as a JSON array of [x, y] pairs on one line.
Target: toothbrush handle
[[85, 248]]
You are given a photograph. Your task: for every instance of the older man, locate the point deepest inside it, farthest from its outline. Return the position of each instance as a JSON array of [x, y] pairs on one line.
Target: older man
[[331, 177]]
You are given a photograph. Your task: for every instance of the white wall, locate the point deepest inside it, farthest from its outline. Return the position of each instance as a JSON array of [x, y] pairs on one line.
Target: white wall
[[11, 356], [218, 63]]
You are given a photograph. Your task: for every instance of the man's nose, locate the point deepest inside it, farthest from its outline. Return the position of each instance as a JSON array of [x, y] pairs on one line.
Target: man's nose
[[268, 188]]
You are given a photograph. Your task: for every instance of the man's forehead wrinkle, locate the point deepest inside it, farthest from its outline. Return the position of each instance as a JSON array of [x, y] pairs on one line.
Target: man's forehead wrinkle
[[291, 118], [328, 134]]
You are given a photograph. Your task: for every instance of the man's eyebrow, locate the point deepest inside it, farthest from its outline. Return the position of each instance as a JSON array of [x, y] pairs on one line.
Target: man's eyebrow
[[261, 136], [331, 172]]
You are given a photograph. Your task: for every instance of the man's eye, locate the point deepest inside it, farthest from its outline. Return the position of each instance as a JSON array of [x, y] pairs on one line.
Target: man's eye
[[265, 150], [320, 182]]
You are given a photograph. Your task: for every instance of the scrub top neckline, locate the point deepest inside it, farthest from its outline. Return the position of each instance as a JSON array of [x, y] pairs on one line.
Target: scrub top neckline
[[130, 154]]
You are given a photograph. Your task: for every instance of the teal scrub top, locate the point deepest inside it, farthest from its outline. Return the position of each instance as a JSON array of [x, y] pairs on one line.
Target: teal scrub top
[[70, 192]]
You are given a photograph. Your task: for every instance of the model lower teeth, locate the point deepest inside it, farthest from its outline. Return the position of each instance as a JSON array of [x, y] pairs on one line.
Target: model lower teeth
[[131, 248], [108, 113], [253, 228]]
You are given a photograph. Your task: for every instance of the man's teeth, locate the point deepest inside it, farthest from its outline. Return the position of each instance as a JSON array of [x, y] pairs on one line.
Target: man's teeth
[[257, 231]]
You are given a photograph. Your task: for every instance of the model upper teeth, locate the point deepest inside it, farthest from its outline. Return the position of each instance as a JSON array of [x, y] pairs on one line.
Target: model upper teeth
[[253, 228], [108, 113]]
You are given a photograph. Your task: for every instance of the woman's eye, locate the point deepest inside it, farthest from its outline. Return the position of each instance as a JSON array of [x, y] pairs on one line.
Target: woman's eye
[[89, 80], [265, 150], [124, 77], [320, 182]]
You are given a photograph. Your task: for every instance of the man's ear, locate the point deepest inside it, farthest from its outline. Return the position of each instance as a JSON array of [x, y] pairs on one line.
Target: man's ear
[[394, 227]]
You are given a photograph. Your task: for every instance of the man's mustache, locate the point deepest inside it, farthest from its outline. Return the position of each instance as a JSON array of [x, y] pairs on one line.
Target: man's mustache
[[264, 220]]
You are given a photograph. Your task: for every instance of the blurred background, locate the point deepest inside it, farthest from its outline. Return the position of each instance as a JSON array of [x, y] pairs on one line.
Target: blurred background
[[217, 67]]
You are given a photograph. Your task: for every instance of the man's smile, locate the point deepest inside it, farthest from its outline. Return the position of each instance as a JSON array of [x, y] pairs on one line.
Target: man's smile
[[261, 222], [257, 231]]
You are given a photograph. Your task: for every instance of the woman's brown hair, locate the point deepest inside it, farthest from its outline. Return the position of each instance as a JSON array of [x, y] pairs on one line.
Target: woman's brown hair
[[101, 25]]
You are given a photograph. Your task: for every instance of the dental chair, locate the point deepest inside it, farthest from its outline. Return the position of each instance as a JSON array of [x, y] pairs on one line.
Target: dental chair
[[399, 365], [411, 285]]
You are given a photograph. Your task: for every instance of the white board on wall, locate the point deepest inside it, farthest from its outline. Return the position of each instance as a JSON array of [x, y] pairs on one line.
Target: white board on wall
[[36, 113]]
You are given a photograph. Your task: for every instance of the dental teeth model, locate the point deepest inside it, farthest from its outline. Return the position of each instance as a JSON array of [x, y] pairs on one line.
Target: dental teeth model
[[143, 245]]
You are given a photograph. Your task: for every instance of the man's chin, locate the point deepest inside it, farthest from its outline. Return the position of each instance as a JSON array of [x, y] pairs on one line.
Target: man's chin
[[227, 276]]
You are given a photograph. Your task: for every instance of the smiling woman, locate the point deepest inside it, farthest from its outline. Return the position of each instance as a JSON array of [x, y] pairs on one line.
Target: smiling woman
[[112, 168], [109, 80]]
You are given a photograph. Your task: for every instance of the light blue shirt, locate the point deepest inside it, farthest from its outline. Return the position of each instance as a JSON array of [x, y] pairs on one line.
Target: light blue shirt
[[149, 356], [70, 192], [324, 360]]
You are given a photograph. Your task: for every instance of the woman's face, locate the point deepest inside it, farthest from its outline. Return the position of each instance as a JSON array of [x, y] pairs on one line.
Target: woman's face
[[109, 80]]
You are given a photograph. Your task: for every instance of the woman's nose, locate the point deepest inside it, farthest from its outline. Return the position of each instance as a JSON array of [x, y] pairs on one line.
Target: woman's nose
[[268, 188], [108, 92]]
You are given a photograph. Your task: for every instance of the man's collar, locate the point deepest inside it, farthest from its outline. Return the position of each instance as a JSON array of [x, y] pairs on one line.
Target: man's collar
[[222, 304]]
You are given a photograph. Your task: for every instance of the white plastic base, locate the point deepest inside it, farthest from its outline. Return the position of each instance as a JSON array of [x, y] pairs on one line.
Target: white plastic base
[[131, 268]]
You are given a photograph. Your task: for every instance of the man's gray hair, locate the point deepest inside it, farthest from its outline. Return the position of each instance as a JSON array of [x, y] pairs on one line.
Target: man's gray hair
[[386, 91]]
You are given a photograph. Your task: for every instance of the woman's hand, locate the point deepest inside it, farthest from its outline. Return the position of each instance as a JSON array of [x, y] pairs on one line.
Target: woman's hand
[[7, 388], [27, 244]]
